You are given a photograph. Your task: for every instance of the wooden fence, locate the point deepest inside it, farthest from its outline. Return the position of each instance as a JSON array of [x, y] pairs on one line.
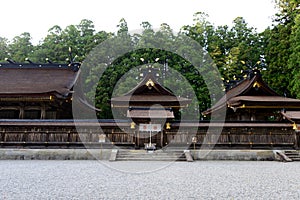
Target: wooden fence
[[88, 134]]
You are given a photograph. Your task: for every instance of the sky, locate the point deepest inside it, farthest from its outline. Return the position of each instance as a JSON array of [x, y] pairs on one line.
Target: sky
[[38, 16]]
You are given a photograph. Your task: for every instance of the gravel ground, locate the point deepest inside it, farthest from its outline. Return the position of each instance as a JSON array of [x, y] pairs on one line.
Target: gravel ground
[[181, 180]]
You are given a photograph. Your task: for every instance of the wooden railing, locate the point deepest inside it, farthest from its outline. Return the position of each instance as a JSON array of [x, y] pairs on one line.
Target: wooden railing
[[236, 135], [64, 134]]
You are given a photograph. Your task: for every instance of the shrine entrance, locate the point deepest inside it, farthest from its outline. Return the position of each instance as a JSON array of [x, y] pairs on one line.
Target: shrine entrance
[[150, 136], [150, 107]]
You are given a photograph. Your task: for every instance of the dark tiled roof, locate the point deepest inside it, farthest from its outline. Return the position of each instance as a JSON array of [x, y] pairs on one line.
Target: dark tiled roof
[[149, 98], [263, 100], [142, 87], [149, 95], [37, 79], [253, 89]]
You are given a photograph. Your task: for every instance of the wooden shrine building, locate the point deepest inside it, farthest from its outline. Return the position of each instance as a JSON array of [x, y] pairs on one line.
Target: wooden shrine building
[[256, 115], [37, 91], [253, 100], [36, 112], [151, 107]]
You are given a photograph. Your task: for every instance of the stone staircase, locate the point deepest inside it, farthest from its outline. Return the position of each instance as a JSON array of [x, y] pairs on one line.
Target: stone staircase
[[143, 155], [293, 155]]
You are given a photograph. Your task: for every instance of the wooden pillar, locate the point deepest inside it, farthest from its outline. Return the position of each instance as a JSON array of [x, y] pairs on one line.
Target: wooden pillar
[[138, 138], [296, 136], [21, 113], [162, 138], [43, 111], [229, 138]]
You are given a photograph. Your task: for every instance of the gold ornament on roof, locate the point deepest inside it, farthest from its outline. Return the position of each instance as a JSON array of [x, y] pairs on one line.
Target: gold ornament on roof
[[256, 84], [150, 84]]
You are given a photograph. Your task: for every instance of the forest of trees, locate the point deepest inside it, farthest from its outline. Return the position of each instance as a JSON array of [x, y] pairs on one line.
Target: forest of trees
[[234, 49]]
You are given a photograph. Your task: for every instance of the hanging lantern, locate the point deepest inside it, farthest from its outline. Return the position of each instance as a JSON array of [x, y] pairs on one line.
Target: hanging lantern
[[168, 125], [132, 125], [295, 127]]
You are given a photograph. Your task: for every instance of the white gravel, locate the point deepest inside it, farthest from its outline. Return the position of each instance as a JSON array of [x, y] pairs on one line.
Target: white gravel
[[181, 180]]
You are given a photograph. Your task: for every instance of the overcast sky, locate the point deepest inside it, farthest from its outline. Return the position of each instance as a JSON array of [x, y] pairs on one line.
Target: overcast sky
[[37, 16]]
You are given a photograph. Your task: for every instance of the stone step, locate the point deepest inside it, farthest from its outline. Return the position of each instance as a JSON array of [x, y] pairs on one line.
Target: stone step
[[296, 159], [290, 151], [144, 151], [157, 157], [289, 155], [152, 159], [130, 156], [293, 155], [150, 156], [151, 153], [154, 155]]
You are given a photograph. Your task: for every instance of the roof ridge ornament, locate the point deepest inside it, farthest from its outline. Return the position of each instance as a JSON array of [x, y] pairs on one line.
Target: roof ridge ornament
[[10, 61], [256, 84], [150, 84]]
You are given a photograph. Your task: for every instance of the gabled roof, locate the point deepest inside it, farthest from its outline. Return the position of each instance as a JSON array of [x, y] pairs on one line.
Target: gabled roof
[[253, 92], [149, 85], [150, 91], [31, 79]]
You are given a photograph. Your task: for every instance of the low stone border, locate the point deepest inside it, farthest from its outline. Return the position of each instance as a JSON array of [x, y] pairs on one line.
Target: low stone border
[[54, 154], [245, 155], [105, 154]]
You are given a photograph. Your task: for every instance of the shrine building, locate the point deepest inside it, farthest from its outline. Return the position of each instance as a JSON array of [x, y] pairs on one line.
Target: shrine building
[[36, 112]]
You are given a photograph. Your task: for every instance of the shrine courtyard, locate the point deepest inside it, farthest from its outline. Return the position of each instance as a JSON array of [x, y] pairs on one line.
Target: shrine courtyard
[[40, 179]]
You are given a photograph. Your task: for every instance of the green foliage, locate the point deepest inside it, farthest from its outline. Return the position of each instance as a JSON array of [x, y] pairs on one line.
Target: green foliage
[[227, 46], [3, 48], [20, 48], [80, 38], [294, 59], [280, 50]]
